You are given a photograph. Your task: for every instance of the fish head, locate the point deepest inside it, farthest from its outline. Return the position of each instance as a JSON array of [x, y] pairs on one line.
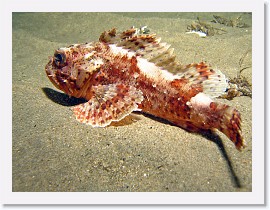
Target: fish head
[[71, 68]]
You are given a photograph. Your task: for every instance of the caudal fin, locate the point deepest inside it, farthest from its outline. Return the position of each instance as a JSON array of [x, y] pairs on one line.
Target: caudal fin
[[229, 123], [207, 114]]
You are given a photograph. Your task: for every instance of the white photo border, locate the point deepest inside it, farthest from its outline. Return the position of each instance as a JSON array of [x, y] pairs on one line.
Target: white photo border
[[257, 196]]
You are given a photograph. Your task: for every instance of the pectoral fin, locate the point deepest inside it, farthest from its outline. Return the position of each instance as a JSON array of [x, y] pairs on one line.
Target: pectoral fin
[[109, 103]]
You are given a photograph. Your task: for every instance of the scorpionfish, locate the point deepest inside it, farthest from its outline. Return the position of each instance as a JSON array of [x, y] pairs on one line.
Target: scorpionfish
[[132, 71]]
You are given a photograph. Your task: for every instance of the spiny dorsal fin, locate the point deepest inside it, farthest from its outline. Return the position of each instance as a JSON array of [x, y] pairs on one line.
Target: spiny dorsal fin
[[147, 46]]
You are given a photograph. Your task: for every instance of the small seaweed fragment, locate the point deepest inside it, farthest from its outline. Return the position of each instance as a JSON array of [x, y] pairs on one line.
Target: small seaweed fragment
[[204, 27], [241, 61], [239, 86], [141, 30], [235, 22]]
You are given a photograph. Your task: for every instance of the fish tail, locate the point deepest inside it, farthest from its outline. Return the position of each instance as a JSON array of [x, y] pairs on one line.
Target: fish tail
[[229, 123], [207, 114]]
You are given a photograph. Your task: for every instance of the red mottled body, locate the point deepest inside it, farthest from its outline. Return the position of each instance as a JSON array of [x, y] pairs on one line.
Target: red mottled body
[[128, 71]]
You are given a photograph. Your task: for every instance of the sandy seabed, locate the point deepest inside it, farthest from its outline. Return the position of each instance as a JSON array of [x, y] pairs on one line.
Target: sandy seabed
[[54, 152]]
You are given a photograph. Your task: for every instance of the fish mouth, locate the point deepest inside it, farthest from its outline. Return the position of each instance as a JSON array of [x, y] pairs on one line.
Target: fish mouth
[[48, 68], [59, 78], [51, 73]]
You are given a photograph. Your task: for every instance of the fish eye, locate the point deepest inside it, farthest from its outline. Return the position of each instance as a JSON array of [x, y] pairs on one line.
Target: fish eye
[[59, 59]]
